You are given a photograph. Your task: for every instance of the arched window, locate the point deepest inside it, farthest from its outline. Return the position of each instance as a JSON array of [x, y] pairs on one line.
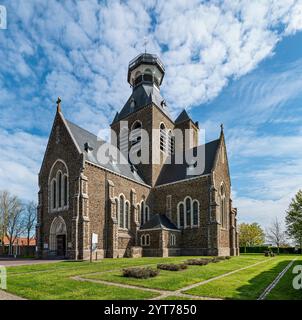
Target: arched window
[[188, 213], [223, 210], [136, 137], [195, 213], [121, 215], [58, 186], [181, 218], [162, 137], [127, 215], [144, 212], [65, 190], [117, 209], [172, 239], [170, 143], [54, 194], [145, 240], [59, 180]]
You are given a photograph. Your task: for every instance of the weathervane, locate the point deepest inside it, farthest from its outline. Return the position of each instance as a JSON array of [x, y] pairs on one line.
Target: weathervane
[[145, 43]]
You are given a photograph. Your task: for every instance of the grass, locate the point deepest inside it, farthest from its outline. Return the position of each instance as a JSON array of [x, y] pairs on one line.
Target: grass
[[245, 285], [284, 290], [177, 280], [54, 281]]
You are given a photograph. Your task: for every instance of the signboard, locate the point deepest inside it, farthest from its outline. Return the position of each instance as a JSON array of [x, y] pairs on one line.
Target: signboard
[[94, 244], [94, 241]]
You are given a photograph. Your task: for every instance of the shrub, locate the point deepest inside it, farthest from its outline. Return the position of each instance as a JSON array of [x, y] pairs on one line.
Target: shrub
[[172, 266], [215, 260], [140, 273], [198, 262], [228, 257]]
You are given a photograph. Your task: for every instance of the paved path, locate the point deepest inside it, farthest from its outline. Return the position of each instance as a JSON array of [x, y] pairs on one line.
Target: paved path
[[276, 280], [161, 293], [8, 296]]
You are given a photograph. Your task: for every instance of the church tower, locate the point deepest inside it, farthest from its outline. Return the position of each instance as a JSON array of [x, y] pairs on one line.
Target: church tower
[[145, 110]]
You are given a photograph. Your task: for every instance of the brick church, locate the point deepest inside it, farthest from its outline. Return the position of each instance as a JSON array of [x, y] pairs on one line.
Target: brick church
[[144, 209]]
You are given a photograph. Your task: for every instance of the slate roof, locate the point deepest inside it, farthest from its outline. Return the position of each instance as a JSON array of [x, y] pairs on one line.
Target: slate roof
[[182, 117], [83, 136], [169, 173], [174, 172], [159, 221], [142, 95]]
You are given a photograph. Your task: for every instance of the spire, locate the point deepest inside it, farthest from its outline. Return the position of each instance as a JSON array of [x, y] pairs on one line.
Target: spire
[[59, 104]]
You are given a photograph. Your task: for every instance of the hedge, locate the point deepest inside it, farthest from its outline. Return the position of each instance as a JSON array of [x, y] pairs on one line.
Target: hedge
[[261, 249]]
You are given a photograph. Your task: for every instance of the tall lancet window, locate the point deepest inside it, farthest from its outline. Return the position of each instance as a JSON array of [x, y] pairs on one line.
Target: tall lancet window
[[163, 138], [121, 215], [58, 187]]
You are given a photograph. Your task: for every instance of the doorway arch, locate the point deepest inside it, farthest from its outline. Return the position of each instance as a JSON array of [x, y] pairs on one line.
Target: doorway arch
[[58, 237]]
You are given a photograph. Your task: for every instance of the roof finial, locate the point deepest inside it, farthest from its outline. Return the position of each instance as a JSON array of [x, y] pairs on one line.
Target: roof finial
[[59, 104], [221, 127], [145, 43]]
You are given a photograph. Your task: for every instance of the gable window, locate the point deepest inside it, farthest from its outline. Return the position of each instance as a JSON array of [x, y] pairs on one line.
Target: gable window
[[59, 179], [58, 186], [145, 240], [188, 213], [172, 239]]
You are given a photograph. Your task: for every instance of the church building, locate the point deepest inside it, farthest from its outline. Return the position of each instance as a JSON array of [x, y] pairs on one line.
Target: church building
[[145, 209]]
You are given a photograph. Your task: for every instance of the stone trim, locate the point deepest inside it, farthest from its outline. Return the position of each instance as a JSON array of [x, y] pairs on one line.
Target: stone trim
[[117, 174], [183, 180]]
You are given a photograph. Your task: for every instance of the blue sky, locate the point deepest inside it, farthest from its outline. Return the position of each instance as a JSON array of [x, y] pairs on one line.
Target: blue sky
[[233, 62]]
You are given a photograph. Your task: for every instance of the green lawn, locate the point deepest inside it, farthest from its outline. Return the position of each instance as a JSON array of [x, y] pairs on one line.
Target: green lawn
[[173, 280], [284, 290], [247, 284], [53, 281]]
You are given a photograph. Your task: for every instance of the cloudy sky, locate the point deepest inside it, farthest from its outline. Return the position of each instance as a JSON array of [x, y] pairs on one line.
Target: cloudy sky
[[236, 62]]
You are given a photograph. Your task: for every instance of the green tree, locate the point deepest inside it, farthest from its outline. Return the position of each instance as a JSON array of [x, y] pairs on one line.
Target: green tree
[[293, 219], [250, 235]]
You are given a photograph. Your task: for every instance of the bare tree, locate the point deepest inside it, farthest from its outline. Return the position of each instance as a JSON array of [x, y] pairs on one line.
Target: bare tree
[[275, 234], [7, 205], [29, 221], [15, 222]]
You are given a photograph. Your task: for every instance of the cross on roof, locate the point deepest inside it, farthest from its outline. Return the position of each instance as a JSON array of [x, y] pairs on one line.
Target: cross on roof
[[145, 43], [59, 104]]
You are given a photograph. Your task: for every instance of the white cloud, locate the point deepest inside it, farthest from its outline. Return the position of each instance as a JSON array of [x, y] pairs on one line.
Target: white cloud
[[80, 51], [20, 160]]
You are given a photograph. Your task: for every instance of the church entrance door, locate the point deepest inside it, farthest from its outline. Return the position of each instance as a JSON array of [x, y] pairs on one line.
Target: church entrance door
[[61, 245]]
